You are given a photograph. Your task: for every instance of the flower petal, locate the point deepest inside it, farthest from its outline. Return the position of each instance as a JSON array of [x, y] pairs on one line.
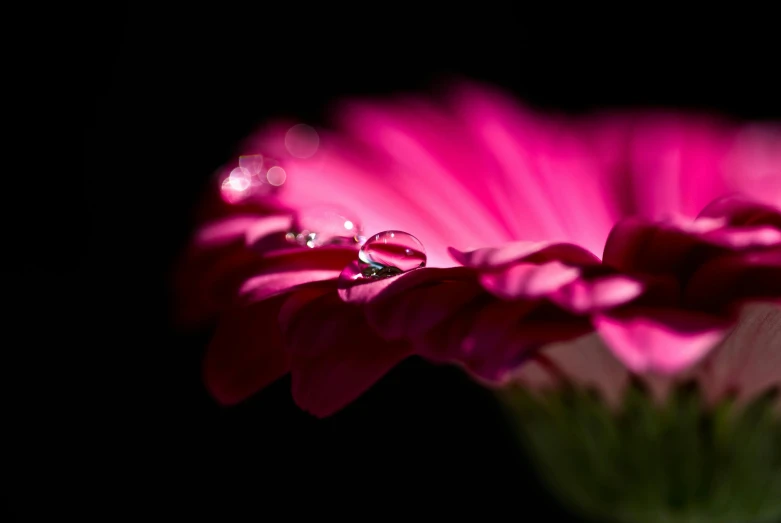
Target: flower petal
[[527, 280], [353, 288], [748, 362], [585, 361], [659, 341], [592, 295], [225, 231], [412, 305], [732, 279], [741, 211], [532, 252], [336, 356], [492, 337], [638, 246], [246, 353], [257, 233], [265, 286]]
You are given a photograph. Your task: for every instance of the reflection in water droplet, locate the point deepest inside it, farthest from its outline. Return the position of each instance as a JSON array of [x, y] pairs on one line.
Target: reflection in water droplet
[[318, 226], [302, 141], [390, 253]]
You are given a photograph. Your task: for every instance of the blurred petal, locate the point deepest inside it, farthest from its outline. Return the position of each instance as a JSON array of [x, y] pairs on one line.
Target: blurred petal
[[335, 355], [748, 362], [246, 353], [267, 285], [660, 341], [592, 295], [741, 211], [526, 280], [732, 279], [539, 252]]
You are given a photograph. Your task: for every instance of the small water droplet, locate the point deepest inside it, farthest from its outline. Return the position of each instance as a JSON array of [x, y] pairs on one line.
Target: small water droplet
[[325, 225], [390, 253]]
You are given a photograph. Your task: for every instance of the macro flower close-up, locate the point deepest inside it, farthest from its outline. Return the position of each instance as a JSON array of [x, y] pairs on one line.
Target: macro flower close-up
[[613, 278]]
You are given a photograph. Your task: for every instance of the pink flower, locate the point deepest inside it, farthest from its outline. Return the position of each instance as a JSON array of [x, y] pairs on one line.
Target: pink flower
[[513, 210]]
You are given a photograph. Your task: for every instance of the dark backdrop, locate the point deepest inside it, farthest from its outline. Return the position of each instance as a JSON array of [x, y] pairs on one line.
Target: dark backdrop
[[165, 94]]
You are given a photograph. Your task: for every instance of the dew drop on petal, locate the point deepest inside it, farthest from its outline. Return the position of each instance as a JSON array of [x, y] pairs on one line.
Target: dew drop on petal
[[390, 253], [324, 225], [302, 141]]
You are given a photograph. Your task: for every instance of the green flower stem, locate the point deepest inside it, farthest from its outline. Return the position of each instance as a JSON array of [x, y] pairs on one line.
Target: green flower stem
[[647, 463]]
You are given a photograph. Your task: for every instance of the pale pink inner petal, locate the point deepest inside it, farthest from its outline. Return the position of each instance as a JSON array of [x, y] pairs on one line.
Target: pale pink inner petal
[[748, 362], [658, 341], [589, 363]]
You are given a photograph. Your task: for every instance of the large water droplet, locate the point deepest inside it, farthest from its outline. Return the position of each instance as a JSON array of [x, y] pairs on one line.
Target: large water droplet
[[390, 253], [318, 226]]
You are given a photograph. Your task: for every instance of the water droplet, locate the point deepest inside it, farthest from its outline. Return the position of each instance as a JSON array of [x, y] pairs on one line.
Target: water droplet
[[390, 253], [318, 226]]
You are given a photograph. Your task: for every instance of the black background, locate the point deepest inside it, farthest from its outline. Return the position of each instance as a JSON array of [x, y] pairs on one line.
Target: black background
[[165, 94]]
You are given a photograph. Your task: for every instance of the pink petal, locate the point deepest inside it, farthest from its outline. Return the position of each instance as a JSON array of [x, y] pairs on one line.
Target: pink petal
[[207, 283], [543, 170], [748, 362], [752, 163], [674, 161], [539, 252], [246, 353], [225, 231], [591, 295], [637, 246], [732, 279], [353, 288], [497, 348], [265, 286], [741, 211], [526, 280], [742, 238], [585, 361], [491, 338], [424, 142], [336, 356], [412, 306], [660, 341], [300, 258], [258, 231]]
